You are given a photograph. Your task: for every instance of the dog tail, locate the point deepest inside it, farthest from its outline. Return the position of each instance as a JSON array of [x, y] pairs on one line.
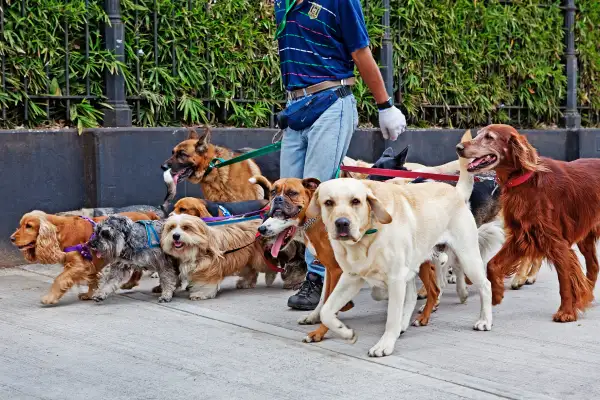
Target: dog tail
[[490, 237], [263, 183], [465, 179]]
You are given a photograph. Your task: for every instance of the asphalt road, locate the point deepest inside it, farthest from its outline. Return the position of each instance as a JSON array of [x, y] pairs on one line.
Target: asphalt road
[[245, 344]]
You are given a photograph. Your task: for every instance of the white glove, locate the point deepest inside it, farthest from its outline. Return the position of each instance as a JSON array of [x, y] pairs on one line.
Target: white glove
[[392, 123]]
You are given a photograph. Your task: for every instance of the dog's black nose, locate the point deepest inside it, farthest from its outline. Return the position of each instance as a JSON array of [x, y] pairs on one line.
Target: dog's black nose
[[460, 148], [176, 237], [278, 200], [342, 224], [262, 229], [13, 239], [165, 167]]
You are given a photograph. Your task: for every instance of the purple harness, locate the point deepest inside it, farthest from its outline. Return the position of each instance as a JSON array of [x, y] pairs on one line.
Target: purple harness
[[83, 248]]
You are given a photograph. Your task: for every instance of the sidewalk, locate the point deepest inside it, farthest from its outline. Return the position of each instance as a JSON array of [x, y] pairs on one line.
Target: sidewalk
[[247, 345]]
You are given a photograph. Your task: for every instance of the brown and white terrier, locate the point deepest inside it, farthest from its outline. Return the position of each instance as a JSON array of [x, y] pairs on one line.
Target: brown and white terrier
[[191, 160], [289, 221]]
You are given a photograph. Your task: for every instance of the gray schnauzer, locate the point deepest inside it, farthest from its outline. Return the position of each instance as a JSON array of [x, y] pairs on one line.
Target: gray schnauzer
[[127, 245]]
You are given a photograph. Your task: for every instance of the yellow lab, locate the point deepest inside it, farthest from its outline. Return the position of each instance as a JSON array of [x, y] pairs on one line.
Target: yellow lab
[[381, 233]]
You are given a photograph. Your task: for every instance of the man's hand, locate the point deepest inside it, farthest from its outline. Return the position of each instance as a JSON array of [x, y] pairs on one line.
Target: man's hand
[[392, 123]]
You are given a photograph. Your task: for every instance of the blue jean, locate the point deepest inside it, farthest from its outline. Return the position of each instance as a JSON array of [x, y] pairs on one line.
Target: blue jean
[[317, 151]]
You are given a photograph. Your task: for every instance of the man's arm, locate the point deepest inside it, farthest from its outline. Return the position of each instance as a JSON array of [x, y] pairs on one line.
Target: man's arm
[[391, 120], [369, 71]]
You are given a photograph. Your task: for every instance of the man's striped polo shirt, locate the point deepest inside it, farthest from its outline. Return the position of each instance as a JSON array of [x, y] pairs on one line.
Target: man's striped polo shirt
[[318, 39]]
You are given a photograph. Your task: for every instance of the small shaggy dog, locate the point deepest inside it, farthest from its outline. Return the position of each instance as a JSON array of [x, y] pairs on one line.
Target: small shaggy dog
[[548, 206], [291, 260], [209, 254], [126, 245], [191, 160], [42, 238]]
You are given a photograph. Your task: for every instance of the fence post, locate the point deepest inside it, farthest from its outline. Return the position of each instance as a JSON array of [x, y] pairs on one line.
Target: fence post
[[386, 55], [114, 36], [572, 116]]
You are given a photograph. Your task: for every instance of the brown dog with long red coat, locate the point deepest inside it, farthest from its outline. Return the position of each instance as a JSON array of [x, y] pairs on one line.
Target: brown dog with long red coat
[[288, 221]]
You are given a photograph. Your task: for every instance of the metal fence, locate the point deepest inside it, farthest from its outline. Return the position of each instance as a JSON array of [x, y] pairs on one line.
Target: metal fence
[[123, 109]]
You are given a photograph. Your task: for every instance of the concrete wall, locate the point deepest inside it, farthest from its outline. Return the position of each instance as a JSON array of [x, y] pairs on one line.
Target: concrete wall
[[59, 170]]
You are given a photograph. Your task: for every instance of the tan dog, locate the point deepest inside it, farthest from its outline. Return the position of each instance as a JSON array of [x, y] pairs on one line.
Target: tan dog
[[42, 237], [207, 255], [191, 159], [381, 233]]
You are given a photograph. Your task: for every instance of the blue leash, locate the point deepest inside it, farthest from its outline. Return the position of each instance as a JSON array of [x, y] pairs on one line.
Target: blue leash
[[150, 232], [233, 221]]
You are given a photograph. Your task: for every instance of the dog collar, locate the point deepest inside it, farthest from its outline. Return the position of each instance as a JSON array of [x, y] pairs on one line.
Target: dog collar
[[83, 248], [518, 180], [308, 223]]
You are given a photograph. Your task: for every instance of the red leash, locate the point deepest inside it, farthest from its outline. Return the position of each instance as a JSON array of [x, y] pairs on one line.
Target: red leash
[[403, 174]]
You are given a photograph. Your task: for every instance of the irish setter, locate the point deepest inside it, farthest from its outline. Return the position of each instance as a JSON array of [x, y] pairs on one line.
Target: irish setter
[[548, 206]]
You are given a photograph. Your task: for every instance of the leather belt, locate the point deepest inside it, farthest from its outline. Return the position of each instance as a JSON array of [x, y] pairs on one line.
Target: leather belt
[[319, 87]]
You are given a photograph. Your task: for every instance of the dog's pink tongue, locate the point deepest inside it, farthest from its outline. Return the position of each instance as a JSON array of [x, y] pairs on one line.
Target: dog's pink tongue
[[278, 243]]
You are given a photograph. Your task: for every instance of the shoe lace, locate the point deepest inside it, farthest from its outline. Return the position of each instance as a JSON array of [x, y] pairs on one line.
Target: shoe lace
[[307, 288]]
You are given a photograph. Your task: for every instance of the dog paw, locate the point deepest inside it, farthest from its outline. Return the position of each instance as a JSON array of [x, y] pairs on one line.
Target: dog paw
[[530, 280], [310, 319], [451, 279], [156, 289], [517, 283], [98, 298], [483, 325], [202, 296], [128, 285], [84, 296], [383, 348], [154, 275], [563, 316], [49, 299], [463, 296], [314, 336], [165, 299], [243, 284], [353, 337]]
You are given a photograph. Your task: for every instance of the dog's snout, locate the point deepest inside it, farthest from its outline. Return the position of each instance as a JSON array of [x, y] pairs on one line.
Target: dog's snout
[[342, 224], [262, 229], [165, 166], [460, 148], [278, 200], [176, 236], [13, 239]]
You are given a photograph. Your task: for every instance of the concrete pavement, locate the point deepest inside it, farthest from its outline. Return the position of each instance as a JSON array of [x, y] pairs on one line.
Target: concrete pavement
[[247, 345]]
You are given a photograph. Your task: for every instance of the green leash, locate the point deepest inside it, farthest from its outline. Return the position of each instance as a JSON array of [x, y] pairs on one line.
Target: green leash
[[289, 4], [219, 162], [371, 231]]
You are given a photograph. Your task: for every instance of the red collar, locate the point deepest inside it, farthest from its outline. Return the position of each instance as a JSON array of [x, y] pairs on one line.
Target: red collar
[[518, 180]]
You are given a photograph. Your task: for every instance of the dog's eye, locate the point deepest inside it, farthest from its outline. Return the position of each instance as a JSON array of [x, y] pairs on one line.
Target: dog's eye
[[185, 228], [182, 210], [28, 226], [355, 202], [182, 154], [291, 193], [329, 203], [488, 136]]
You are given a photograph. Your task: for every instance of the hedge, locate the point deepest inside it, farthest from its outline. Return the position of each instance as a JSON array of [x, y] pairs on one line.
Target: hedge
[[460, 62]]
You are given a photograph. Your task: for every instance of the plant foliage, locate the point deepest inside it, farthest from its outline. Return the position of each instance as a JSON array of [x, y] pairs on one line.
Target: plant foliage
[[456, 62]]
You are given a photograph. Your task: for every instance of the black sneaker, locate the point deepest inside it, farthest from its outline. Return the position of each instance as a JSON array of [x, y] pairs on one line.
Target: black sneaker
[[309, 294]]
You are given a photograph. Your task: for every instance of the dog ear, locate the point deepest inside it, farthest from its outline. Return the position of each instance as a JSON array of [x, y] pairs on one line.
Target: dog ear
[[381, 214], [389, 152], [314, 208], [203, 141], [311, 183], [523, 153], [401, 157], [192, 134], [47, 246]]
